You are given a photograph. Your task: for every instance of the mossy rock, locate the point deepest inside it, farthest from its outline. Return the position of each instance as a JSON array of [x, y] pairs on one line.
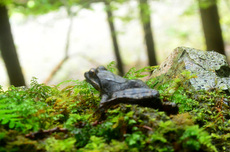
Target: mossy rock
[[211, 69]]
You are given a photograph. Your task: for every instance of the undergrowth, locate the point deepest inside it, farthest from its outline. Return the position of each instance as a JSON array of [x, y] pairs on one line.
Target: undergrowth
[[26, 113]]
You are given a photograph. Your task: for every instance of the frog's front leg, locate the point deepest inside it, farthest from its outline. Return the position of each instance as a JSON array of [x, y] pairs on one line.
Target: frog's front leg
[[104, 98]]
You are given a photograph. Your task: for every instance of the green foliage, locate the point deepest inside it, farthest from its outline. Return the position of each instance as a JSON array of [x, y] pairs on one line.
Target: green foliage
[[190, 137], [104, 130], [112, 67], [136, 140], [186, 104], [204, 4], [191, 10], [54, 145], [141, 73], [194, 137], [38, 7], [5, 2], [176, 91], [8, 116], [145, 11], [202, 124], [95, 143], [34, 6], [98, 144], [23, 108]]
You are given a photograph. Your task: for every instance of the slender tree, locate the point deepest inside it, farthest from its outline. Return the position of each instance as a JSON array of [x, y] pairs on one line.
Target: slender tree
[[211, 25], [146, 24], [114, 38], [8, 50]]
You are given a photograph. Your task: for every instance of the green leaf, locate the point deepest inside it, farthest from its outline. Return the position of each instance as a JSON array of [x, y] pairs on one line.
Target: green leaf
[[12, 124], [5, 121]]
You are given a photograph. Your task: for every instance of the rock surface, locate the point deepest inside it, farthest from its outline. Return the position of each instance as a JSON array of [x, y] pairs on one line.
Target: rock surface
[[211, 69]]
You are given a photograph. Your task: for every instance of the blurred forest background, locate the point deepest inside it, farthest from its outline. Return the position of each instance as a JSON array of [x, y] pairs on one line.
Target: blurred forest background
[[57, 40]]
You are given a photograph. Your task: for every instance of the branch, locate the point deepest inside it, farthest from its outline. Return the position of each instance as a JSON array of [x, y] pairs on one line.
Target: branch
[[66, 56], [44, 133]]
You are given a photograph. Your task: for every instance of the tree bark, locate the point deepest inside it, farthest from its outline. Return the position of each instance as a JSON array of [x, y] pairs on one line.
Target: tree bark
[[211, 25], [114, 39], [8, 50], [146, 24]]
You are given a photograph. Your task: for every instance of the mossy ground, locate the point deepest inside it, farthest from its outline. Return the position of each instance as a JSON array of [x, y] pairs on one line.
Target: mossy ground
[[28, 116]]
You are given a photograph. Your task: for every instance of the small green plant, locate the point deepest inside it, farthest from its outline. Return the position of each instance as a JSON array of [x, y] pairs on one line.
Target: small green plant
[[194, 137], [174, 91], [95, 143], [54, 145], [141, 73], [8, 116], [24, 108], [112, 67], [136, 140], [185, 103], [99, 144]]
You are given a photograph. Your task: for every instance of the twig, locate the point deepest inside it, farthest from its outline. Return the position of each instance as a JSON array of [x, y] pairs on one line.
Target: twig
[[55, 70], [44, 133], [58, 67]]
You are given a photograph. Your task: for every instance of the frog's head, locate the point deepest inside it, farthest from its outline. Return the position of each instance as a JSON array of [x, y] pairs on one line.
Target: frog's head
[[92, 77]]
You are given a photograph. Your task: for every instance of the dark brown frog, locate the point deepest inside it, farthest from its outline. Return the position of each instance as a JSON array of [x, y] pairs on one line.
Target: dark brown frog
[[115, 89]]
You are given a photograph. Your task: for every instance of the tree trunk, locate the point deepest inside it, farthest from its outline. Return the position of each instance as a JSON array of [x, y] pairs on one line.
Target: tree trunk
[[8, 50], [114, 38], [146, 23], [211, 26]]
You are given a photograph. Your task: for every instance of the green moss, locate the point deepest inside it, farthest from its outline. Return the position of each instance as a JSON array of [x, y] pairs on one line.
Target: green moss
[[54, 145]]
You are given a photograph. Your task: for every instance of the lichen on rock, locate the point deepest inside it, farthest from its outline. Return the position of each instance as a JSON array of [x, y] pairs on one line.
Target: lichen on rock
[[211, 69]]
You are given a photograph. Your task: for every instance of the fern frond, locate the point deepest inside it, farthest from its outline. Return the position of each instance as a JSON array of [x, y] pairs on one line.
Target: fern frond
[[8, 115]]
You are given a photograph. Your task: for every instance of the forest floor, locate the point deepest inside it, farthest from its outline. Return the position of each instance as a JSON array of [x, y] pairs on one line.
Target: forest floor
[[47, 118]]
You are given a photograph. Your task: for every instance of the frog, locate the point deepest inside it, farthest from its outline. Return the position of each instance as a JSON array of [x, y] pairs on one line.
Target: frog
[[115, 89]]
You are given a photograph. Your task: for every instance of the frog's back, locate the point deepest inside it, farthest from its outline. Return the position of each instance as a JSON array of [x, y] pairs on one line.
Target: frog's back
[[111, 82]]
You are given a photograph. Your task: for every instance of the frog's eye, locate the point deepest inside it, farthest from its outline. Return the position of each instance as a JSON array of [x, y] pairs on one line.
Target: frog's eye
[[92, 72]]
